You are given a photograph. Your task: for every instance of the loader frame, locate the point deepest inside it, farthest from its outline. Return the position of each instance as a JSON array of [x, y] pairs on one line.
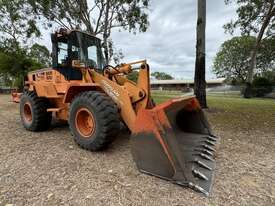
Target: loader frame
[[51, 84]]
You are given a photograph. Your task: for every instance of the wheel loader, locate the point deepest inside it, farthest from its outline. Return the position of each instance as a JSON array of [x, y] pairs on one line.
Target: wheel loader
[[172, 140]]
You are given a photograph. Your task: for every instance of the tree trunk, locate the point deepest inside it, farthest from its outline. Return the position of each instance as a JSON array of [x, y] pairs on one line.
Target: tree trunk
[[253, 59], [105, 31], [199, 80], [84, 16]]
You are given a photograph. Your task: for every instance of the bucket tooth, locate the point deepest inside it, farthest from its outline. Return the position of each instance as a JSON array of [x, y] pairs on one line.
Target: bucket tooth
[[214, 136], [208, 148], [198, 188], [201, 164], [200, 175], [175, 144], [209, 142], [212, 139], [205, 151], [204, 156]]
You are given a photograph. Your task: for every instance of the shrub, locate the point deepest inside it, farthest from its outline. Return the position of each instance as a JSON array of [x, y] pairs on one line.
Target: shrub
[[261, 86]]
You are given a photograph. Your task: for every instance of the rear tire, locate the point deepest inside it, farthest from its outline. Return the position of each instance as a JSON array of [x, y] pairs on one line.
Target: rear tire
[[94, 120], [33, 112]]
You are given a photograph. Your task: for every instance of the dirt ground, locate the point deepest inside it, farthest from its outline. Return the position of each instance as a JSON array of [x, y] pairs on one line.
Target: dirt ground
[[48, 168]]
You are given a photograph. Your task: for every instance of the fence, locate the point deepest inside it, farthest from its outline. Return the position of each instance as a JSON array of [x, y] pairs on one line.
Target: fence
[[224, 90], [5, 90]]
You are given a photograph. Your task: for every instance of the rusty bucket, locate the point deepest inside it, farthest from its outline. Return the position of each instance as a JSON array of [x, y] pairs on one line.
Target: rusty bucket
[[174, 141]]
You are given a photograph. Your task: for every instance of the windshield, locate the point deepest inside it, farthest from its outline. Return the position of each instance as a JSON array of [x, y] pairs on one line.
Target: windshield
[[87, 49]]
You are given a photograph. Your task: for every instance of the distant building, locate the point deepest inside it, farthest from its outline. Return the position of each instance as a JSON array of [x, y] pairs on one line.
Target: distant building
[[3, 87], [183, 85]]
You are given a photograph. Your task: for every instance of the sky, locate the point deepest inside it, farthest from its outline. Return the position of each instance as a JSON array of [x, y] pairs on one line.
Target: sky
[[169, 43]]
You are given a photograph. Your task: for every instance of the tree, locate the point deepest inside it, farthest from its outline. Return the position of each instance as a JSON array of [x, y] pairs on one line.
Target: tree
[[17, 23], [14, 65], [161, 76], [270, 75], [266, 55], [17, 26], [158, 75], [254, 16], [98, 17], [233, 59], [17, 63], [117, 55], [40, 54], [199, 79], [261, 86], [133, 76]]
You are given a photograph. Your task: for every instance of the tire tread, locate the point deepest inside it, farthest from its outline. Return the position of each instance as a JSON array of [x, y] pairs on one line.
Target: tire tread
[[107, 115]]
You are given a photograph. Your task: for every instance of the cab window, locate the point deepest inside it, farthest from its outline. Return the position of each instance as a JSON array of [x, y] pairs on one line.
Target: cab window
[[62, 53], [92, 56]]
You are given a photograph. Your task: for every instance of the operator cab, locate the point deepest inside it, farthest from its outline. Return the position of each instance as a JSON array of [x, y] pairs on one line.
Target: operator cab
[[74, 49]]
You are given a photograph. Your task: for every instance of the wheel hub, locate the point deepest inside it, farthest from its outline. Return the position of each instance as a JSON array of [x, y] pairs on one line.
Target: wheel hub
[[84, 122], [27, 112]]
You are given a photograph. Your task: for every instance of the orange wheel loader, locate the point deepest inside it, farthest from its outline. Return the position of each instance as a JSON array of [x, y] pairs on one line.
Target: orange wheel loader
[[172, 140]]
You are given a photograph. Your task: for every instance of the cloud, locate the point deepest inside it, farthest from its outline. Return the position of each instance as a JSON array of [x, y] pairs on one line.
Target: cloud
[[169, 44]]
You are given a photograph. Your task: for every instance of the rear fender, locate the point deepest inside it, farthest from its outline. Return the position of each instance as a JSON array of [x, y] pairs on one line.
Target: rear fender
[[74, 90]]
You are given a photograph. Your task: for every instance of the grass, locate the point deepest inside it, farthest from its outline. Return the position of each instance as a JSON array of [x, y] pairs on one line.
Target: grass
[[162, 96], [230, 112], [233, 112]]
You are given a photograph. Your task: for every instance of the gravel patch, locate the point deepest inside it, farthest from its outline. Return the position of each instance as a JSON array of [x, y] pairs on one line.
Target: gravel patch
[[48, 168]]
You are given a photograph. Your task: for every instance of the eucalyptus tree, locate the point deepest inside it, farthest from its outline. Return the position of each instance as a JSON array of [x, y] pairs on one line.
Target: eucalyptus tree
[[254, 17], [97, 17]]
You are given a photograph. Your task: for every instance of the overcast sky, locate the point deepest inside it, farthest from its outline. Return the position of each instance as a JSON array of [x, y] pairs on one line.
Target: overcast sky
[[169, 43]]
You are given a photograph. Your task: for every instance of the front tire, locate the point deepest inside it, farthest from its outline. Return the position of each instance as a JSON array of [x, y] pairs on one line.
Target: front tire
[[94, 120], [33, 112]]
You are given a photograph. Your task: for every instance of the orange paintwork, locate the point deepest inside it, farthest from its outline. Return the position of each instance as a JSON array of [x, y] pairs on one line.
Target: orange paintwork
[[27, 112], [130, 97], [155, 121], [85, 123], [148, 121], [15, 96]]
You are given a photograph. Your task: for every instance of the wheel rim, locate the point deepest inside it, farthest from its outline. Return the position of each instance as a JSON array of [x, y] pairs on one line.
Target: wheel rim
[[84, 122], [27, 112]]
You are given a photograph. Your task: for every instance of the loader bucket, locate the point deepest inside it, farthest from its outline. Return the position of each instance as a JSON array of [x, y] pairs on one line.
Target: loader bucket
[[173, 141]]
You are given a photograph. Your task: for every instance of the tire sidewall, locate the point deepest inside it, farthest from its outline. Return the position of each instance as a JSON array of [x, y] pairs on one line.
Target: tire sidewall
[[79, 104]]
